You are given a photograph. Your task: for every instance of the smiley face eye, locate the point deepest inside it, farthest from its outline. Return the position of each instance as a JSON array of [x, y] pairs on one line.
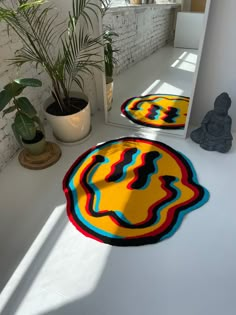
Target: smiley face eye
[[118, 169], [153, 112], [144, 172]]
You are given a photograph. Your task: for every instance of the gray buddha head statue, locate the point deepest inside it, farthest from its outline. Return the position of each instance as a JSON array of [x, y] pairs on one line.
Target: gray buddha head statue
[[222, 104]]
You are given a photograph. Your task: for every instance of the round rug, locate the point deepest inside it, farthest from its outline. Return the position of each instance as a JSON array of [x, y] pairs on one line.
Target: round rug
[[131, 191], [160, 111]]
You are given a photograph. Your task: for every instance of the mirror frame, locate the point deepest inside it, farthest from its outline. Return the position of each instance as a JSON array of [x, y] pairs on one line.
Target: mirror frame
[[160, 131]]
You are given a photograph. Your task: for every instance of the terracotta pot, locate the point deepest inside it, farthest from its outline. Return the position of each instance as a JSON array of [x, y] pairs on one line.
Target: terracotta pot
[[70, 128]]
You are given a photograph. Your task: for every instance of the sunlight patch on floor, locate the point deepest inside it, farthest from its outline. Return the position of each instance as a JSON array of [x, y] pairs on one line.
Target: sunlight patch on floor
[[191, 57], [168, 88], [151, 87], [186, 62], [30, 256], [186, 66], [51, 265]]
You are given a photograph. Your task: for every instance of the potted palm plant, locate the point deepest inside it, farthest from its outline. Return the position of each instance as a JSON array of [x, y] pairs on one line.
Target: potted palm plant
[[110, 61], [27, 126], [66, 50]]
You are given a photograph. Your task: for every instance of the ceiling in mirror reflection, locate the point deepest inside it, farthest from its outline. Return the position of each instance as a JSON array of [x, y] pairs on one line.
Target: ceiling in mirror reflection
[[166, 70]]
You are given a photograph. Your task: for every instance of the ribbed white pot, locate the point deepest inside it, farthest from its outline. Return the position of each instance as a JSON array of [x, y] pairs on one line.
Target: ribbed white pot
[[70, 128]]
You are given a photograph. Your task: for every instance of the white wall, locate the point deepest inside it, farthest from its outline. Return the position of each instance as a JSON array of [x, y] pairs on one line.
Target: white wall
[[217, 71]]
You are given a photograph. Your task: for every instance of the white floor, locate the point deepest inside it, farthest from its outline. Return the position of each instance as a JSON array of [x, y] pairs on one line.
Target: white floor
[[65, 273], [169, 70]]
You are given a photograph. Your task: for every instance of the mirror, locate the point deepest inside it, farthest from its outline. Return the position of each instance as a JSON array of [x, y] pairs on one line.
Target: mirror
[[156, 54]]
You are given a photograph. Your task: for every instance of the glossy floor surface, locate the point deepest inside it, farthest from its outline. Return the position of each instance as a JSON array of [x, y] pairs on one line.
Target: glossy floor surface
[[168, 71], [65, 273]]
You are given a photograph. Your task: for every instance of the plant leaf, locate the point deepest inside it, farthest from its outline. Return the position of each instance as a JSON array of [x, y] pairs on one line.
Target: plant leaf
[[16, 134], [14, 89], [25, 107], [29, 82], [25, 5], [25, 126], [5, 98], [9, 110]]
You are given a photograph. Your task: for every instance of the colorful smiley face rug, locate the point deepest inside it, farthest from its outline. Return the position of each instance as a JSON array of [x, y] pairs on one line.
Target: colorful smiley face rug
[[131, 191], [157, 111]]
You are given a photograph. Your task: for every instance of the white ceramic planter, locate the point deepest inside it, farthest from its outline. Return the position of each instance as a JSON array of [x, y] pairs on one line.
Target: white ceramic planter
[[70, 128]]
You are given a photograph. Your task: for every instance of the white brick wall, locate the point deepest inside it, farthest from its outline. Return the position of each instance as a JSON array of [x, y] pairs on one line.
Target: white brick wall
[[8, 144], [142, 30]]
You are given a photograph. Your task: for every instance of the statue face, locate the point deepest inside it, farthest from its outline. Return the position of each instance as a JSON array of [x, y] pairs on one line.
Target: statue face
[[222, 104], [221, 109]]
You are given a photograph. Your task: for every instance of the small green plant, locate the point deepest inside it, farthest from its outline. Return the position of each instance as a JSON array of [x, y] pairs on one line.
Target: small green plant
[[110, 61], [26, 122]]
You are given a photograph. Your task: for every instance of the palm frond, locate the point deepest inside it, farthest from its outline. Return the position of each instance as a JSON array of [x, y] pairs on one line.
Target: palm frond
[[82, 9], [26, 4], [80, 55]]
